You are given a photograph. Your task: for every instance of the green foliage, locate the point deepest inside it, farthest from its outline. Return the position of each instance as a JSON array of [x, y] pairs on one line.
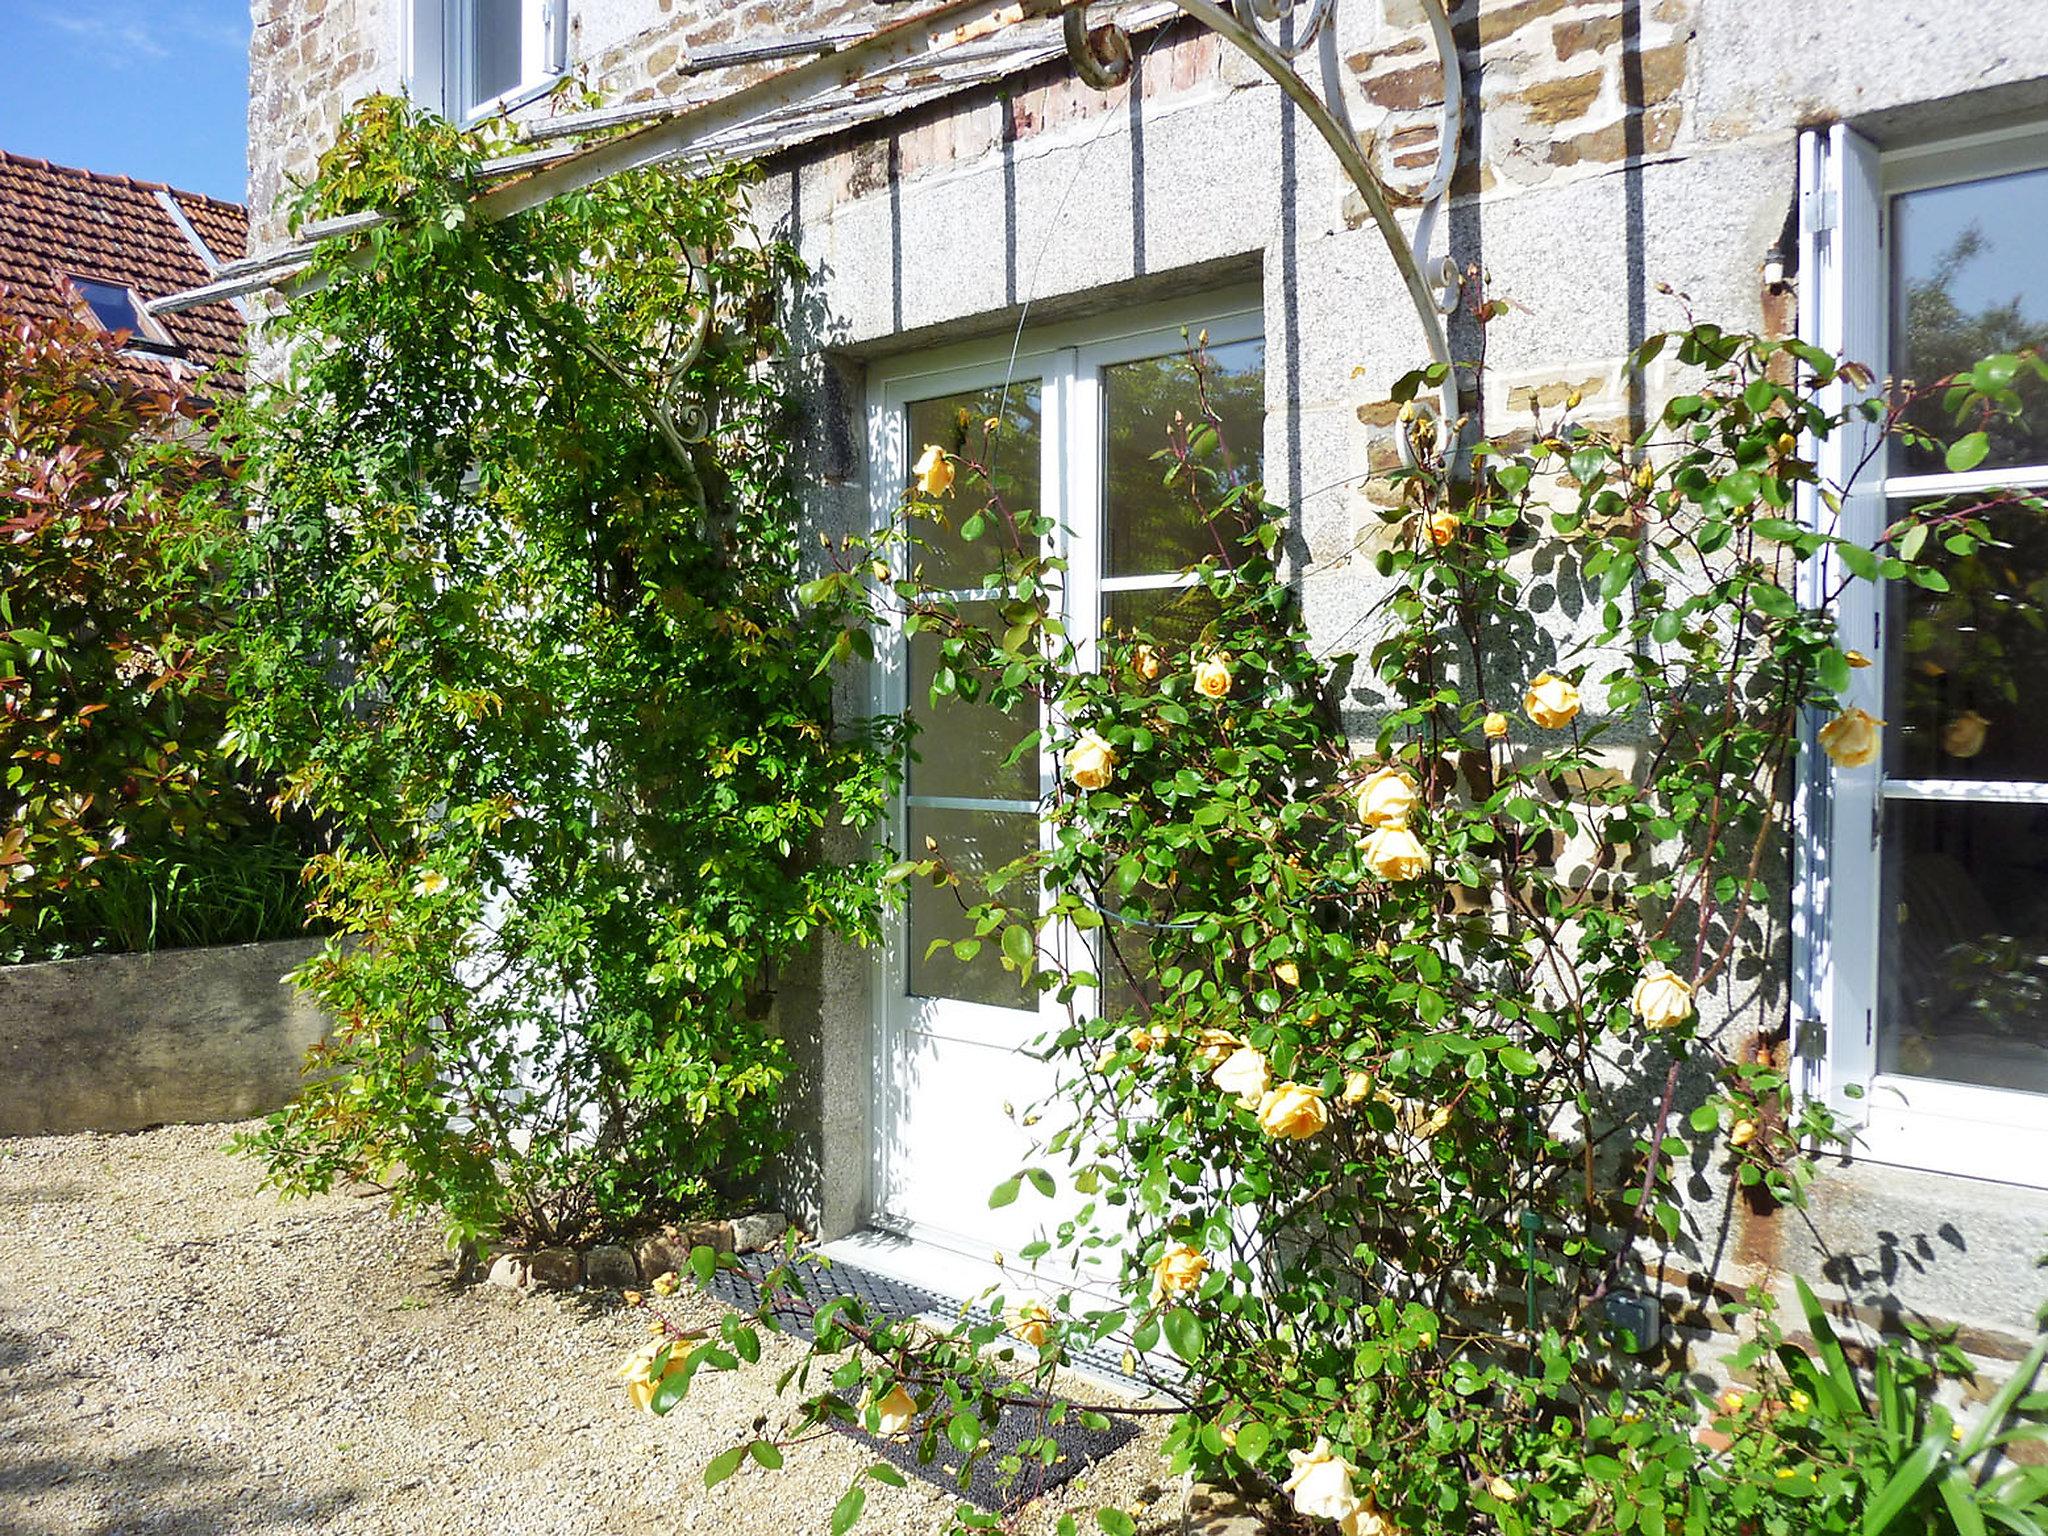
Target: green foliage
[[111, 661], [521, 628], [1385, 1068]]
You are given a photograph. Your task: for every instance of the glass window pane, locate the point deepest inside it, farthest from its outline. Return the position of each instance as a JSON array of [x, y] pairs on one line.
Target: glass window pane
[[973, 843], [1969, 667], [1173, 617], [961, 746], [1965, 987], [1152, 528], [113, 306], [494, 48], [1969, 278], [960, 425]]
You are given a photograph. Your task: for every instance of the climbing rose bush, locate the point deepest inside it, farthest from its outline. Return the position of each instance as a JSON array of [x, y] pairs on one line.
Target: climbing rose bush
[[1404, 1003]]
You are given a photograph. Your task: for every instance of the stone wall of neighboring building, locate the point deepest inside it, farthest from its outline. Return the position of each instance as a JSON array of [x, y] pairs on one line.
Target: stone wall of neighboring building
[[1627, 162]]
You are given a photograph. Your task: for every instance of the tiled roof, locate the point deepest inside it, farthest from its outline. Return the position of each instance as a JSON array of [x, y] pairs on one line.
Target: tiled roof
[[56, 222]]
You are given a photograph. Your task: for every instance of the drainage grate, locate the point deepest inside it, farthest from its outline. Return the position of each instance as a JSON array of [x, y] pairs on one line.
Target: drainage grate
[[1076, 1445]]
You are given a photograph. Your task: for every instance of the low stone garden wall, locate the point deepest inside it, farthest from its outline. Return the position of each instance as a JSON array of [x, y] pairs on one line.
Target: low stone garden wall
[[121, 1042]]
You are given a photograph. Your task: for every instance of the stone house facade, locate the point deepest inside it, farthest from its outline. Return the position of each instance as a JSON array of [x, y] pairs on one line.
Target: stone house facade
[[1624, 163]]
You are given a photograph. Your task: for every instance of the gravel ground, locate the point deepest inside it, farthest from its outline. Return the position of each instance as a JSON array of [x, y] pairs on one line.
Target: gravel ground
[[181, 1351]]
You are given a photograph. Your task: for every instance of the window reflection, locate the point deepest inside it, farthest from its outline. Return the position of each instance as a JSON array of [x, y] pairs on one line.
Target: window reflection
[[1152, 527], [994, 427], [1965, 983], [1970, 278]]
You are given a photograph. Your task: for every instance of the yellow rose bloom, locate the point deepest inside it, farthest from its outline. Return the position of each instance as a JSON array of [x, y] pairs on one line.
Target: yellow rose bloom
[[1852, 738], [1145, 662], [1244, 1073], [1551, 701], [1320, 1484], [432, 883], [1357, 1087], [1964, 735], [934, 471], [1387, 798], [666, 1283], [1743, 1133], [1503, 1490], [894, 1414], [1443, 527], [1495, 725], [1029, 1321], [638, 1372], [1661, 999], [1394, 853], [1178, 1272], [1292, 1111], [1214, 1046], [1731, 1402], [1145, 1039], [1212, 676], [1091, 762]]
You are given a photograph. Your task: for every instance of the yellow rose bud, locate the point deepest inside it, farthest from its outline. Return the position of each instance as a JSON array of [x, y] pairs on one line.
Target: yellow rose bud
[[1852, 738], [1244, 1073], [1212, 676], [1287, 973], [1213, 1046], [1552, 701], [639, 1372], [1029, 1321], [934, 471], [1661, 999], [1178, 1272], [1503, 1490], [1145, 662], [1964, 735], [1090, 762], [1743, 1133], [895, 1413], [1434, 1123], [667, 1284], [1393, 853], [1857, 659], [1320, 1484], [1357, 1087], [1495, 725], [1443, 528], [1293, 1111], [1387, 798]]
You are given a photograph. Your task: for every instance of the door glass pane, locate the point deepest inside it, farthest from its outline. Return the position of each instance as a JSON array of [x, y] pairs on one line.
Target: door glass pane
[[1965, 985], [961, 746], [1171, 616], [1970, 669], [973, 843], [1153, 528], [961, 424], [494, 48], [1969, 278]]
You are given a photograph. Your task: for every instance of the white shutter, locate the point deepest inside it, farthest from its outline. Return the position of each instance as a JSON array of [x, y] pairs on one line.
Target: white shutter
[[1843, 291]]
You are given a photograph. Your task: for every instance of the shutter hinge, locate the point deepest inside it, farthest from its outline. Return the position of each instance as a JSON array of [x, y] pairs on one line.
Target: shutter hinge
[[1822, 208], [1810, 1039]]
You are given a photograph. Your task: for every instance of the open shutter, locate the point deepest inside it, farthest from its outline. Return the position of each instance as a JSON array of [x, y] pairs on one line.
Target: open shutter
[[1842, 298]]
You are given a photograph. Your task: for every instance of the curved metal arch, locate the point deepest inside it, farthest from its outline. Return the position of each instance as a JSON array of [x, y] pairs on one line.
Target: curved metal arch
[[1246, 24]]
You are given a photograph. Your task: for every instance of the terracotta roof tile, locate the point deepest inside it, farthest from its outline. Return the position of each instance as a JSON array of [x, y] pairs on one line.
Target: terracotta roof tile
[[57, 222]]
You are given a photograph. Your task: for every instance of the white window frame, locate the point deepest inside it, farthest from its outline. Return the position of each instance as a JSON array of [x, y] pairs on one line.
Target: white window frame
[[1068, 361], [436, 56], [1846, 184]]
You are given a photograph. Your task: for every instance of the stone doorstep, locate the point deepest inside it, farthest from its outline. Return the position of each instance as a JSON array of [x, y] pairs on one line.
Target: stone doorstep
[[614, 1267]]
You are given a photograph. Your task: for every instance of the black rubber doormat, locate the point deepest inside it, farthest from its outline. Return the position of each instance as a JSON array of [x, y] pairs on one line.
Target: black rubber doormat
[[1076, 1445]]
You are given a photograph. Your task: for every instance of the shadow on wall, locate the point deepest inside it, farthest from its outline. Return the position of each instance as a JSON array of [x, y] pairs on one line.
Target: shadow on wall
[[68, 1465]]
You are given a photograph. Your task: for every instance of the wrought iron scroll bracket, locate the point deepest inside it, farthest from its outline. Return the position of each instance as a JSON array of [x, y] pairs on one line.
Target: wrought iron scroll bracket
[[1273, 34]]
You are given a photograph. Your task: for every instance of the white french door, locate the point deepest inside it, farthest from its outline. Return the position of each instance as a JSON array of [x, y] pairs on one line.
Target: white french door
[[964, 1096]]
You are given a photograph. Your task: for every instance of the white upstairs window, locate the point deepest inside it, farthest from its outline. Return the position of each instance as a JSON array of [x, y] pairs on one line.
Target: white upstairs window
[[1923, 921], [468, 58]]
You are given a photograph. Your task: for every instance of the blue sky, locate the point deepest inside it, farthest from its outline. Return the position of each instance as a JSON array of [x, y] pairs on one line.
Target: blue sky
[[155, 89]]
